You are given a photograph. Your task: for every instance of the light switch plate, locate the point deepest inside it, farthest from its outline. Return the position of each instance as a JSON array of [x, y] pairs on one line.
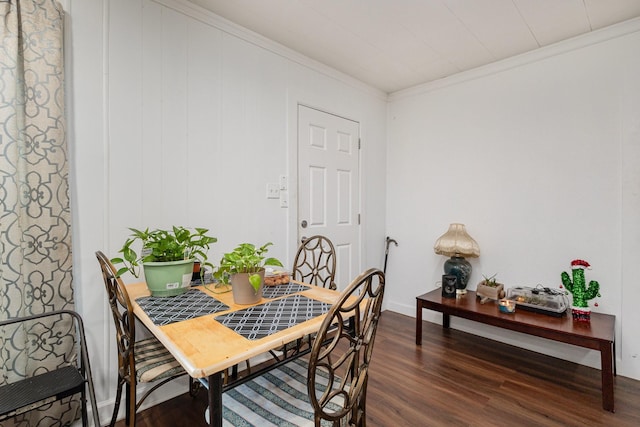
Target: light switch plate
[[273, 192], [284, 199], [283, 183]]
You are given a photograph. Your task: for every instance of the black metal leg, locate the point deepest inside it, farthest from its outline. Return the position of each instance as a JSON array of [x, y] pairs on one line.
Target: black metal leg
[[83, 399], [234, 372], [446, 320], [215, 399]]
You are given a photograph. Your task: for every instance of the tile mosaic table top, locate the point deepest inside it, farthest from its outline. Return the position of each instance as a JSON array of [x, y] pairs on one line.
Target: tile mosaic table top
[[265, 319], [276, 291], [193, 303]]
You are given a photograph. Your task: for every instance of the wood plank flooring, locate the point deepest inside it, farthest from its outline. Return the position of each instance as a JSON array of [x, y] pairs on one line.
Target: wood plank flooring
[[458, 379]]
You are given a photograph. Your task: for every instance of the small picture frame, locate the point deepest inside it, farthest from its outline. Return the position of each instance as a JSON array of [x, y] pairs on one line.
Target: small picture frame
[[449, 284]]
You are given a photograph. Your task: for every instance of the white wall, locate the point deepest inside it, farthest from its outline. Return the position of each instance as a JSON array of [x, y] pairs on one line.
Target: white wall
[[178, 117], [539, 156]]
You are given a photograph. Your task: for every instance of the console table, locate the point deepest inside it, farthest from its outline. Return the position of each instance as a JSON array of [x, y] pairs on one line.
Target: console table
[[598, 334]]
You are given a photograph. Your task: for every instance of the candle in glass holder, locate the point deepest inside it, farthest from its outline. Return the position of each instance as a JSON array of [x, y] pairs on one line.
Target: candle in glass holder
[[507, 305]]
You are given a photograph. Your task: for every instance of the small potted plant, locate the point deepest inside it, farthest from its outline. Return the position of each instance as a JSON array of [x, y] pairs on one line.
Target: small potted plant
[[244, 268], [489, 288], [166, 256]]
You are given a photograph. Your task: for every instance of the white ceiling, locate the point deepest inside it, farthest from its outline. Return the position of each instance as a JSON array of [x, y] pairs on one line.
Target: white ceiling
[[396, 44]]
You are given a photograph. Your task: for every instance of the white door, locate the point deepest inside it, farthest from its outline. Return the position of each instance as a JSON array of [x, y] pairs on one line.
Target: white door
[[328, 185]]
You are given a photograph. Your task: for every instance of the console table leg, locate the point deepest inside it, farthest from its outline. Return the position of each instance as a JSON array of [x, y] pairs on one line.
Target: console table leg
[[418, 323], [446, 320], [607, 363], [615, 369]]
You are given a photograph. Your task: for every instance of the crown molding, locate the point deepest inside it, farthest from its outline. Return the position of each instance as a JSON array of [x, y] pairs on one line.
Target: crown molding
[[207, 17], [584, 40], [575, 43]]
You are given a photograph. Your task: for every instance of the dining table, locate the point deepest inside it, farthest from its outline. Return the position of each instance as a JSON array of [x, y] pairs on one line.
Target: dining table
[[208, 333]]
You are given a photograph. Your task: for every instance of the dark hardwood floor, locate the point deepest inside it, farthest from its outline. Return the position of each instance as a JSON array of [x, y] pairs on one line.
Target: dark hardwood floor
[[458, 379]]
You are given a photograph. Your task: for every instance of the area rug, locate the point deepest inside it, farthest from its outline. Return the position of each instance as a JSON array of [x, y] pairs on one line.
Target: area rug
[[277, 398]]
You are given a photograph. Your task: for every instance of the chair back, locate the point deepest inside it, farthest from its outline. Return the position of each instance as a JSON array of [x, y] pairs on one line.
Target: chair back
[[123, 316], [315, 262], [342, 352]]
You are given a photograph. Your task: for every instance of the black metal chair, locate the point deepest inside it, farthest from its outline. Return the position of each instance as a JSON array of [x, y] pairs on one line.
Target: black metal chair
[[72, 376], [336, 373], [315, 262], [142, 361]]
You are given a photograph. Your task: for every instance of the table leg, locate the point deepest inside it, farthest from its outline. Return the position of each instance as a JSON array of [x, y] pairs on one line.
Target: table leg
[[215, 399], [615, 369], [446, 320], [606, 361], [418, 323]]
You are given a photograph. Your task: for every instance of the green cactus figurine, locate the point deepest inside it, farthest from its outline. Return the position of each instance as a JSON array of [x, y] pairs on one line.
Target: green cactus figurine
[[580, 291]]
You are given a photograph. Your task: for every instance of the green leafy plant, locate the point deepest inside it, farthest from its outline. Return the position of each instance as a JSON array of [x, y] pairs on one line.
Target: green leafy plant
[[245, 258], [159, 245], [490, 281]]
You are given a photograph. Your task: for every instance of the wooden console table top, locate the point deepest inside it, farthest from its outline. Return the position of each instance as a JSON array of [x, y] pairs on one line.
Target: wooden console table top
[[598, 334]]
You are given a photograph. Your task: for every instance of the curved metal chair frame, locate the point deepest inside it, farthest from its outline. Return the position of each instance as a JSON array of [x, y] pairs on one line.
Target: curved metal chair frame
[[315, 262], [125, 326], [342, 350]]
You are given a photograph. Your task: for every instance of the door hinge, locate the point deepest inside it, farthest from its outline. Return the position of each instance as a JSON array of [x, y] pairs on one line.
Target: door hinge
[[358, 219], [359, 143]]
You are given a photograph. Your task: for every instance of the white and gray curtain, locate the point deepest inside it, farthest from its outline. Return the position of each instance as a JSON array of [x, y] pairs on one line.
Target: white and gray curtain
[[35, 216]]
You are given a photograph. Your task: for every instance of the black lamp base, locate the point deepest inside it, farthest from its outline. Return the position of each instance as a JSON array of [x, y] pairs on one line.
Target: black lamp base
[[461, 268]]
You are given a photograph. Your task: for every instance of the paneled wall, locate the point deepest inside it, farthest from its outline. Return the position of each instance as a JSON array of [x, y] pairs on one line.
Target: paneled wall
[[540, 157], [178, 117]]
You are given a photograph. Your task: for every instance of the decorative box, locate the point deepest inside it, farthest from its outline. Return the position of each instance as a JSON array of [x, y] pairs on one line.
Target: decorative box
[[539, 299], [490, 292]]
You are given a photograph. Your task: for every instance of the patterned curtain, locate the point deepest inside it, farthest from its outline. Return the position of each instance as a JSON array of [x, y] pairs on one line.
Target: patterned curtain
[[35, 227]]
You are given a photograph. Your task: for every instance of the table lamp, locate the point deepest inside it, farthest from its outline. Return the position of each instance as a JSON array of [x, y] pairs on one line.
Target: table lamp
[[457, 244]]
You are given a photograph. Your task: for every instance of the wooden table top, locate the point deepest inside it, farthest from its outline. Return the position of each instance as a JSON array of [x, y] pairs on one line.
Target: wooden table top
[[600, 328], [204, 346]]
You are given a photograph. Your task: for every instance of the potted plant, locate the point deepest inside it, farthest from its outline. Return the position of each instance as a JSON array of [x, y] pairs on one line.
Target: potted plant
[[166, 256], [244, 268], [489, 288]]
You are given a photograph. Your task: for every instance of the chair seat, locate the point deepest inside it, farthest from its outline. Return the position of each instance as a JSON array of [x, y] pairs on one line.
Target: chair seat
[[154, 362], [278, 397], [30, 393]]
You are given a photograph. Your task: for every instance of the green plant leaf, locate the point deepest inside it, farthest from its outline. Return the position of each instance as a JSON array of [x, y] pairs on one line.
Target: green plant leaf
[[254, 279], [122, 271], [273, 261]]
